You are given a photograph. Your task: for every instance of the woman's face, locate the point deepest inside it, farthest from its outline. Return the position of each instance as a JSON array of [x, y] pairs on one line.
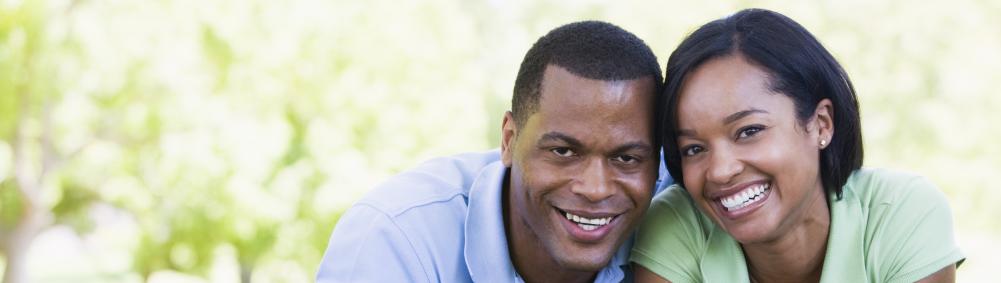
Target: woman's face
[[747, 161]]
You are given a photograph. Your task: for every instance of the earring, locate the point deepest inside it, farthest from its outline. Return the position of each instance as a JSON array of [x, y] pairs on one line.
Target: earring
[[823, 143]]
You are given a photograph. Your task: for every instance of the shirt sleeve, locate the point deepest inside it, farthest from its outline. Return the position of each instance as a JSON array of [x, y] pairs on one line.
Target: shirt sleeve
[[916, 238], [367, 246], [671, 239]]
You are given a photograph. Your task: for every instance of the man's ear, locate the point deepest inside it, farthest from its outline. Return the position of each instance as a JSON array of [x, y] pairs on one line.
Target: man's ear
[[509, 132], [824, 120]]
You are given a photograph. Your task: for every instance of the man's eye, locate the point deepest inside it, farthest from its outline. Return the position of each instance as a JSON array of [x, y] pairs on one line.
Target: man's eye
[[563, 151], [692, 150], [626, 159]]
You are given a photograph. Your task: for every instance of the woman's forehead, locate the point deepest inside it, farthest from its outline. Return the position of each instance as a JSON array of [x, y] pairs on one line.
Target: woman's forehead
[[726, 83]]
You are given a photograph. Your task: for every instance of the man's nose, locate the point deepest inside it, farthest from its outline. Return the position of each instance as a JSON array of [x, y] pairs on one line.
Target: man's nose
[[596, 181]]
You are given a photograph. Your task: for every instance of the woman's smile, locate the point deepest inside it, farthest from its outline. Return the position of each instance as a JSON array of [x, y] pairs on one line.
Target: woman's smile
[[743, 198], [749, 163]]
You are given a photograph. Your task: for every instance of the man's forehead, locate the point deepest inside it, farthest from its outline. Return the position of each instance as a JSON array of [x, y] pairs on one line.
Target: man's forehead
[[561, 87]]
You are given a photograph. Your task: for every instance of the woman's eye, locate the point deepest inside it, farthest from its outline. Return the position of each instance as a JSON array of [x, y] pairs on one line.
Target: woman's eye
[[563, 151], [691, 150], [749, 132]]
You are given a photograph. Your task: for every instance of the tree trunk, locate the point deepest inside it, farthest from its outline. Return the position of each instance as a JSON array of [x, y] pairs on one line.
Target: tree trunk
[[34, 216], [18, 244], [246, 271]]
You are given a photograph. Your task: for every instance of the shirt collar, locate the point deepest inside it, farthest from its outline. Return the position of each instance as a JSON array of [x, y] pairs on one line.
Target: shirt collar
[[485, 242], [616, 269]]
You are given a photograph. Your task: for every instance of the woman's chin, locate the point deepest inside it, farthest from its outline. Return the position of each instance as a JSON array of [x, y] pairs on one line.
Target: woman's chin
[[746, 234]]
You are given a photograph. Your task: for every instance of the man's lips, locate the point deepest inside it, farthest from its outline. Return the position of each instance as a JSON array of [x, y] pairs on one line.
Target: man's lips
[[588, 220], [587, 226]]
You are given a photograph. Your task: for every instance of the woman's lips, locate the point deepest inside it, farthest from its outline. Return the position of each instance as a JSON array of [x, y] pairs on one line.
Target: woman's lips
[[744, 201], [745, 197]]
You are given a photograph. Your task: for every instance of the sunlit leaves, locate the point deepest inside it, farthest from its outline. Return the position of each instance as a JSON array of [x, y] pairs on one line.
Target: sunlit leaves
[[249, 126], [10, 205]]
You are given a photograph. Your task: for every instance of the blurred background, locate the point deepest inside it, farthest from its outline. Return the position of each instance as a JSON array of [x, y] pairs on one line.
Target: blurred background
[[218, 141]]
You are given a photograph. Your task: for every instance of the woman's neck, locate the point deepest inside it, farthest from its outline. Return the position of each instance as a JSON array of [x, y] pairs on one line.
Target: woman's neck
[[796, 256]]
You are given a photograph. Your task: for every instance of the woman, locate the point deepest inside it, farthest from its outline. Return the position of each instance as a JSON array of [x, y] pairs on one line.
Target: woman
[[767, 141]]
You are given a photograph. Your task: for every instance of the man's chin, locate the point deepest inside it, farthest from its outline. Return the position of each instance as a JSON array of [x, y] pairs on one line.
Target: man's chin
[[590, 260], [578, 255]]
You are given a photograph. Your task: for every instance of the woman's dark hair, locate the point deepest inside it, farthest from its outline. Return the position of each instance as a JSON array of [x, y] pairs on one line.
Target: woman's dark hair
[[798, 67]]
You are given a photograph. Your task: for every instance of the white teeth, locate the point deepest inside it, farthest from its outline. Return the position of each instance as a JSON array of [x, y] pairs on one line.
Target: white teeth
[[744, 198], [588, 224]]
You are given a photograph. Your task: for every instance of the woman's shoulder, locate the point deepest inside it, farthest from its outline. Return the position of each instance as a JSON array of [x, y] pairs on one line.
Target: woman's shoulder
[[908, 229], [672, 196], [879, 186], [672, 211], [675, 203], [896, 204], [672, 237]]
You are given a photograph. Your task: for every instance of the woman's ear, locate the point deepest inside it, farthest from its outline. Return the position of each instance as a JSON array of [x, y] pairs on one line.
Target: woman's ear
[[823, 118], [509, 132]]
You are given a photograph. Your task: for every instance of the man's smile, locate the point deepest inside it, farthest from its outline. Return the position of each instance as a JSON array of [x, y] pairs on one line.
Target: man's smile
[[588, 227]]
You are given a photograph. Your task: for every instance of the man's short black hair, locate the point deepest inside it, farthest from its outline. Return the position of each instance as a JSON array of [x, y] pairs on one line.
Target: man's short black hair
[[589, 49], [798, 66]]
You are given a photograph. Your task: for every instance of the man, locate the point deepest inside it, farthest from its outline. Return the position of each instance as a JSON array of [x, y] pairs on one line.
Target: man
[[576, 170]]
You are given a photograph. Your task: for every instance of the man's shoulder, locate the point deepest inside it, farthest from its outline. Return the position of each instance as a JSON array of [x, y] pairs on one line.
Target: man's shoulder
[[410, 227], [438, 181]]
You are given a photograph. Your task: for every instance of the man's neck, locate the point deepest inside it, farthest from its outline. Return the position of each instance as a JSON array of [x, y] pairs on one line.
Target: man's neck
[[797, 256], [530, 258]]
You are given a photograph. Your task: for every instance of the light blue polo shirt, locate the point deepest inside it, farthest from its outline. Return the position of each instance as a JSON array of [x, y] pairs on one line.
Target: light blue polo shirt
[[439, 222]]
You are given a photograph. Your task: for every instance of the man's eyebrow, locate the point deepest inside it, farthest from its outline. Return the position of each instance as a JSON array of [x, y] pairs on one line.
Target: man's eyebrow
[[560, 137], [636, 145], [741, 114]]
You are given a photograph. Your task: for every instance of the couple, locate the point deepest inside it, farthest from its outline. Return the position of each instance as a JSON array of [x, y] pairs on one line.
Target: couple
[[759, 126]]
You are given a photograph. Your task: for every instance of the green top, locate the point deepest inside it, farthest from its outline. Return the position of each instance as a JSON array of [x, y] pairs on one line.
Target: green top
[[888, 227]]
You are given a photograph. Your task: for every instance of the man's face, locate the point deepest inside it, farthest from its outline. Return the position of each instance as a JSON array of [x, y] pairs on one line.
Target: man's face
[[582, 167]]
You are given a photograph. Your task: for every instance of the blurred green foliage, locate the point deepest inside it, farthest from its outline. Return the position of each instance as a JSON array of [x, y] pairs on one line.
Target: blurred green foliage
[[184, 140]]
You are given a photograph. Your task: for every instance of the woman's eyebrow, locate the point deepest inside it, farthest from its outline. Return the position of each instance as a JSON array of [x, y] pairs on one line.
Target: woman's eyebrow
[[741, 114], [727, 120]]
